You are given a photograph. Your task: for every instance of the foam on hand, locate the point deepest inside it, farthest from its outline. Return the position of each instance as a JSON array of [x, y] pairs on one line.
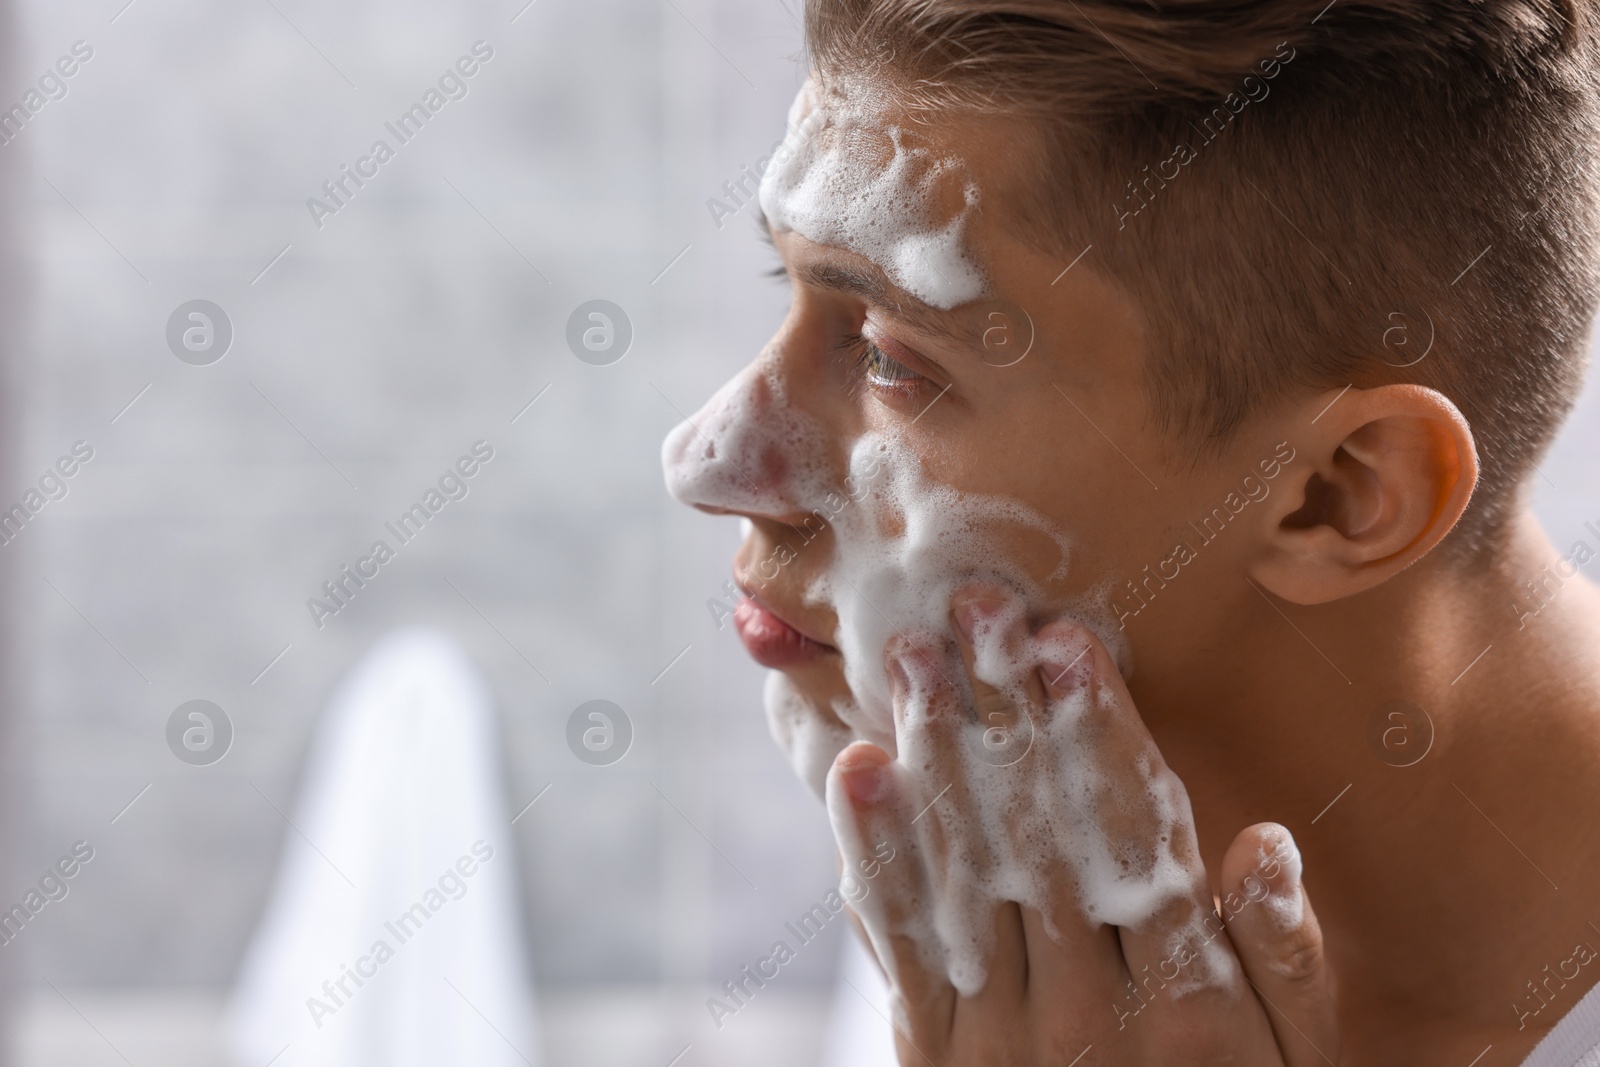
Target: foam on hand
[[845, 179], [903, 545], [1067, 804], [1042, 805]]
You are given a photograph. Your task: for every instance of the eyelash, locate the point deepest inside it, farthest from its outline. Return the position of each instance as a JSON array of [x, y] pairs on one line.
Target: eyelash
[[872, 366], [900, 380]]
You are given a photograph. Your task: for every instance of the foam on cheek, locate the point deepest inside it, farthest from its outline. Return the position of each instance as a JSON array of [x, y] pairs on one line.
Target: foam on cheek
[[1046, 809], [843, 178], [1043, 804], [902, 555]]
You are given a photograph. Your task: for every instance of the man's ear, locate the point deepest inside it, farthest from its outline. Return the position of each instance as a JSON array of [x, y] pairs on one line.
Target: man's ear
[[1381, 476]]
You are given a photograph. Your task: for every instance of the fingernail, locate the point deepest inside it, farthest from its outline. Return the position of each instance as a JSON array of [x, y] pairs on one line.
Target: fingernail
[[1288, 856], [864, 782]]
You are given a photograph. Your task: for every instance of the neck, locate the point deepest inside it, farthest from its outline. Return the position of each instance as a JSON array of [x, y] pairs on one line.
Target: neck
[[1433, 746]]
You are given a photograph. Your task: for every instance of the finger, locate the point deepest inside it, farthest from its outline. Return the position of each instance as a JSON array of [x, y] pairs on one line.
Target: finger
[[992, 634], [1001, 658], [1006, 988], [1279, 943], [883, 878], [1072, 963], [1066, 960], [955, 830], [992, 629], [1144, 872], [1071, 957]]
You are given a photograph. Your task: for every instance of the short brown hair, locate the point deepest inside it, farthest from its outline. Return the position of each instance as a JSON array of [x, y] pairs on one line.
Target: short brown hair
[[1404, 163]]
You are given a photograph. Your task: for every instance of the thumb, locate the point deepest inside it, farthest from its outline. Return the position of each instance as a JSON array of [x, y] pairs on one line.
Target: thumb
[[1279, 943]]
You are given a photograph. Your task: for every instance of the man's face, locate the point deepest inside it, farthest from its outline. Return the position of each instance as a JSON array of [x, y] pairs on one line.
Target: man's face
[[1006, 442]]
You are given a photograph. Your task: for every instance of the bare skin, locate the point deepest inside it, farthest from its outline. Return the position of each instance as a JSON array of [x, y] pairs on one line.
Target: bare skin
[[1442, 888]]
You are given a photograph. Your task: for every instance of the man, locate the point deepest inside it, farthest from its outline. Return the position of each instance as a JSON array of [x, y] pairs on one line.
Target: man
[[1161, 389]]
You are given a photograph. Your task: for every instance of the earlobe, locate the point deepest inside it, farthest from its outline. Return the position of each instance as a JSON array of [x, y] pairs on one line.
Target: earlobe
[[1386, 473]]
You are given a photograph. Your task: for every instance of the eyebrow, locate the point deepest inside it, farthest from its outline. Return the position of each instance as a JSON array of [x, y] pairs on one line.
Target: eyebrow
[[871, 287]]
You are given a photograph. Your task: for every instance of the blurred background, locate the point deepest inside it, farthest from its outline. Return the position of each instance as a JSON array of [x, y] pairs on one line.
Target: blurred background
[[374, 341], [368, 355]]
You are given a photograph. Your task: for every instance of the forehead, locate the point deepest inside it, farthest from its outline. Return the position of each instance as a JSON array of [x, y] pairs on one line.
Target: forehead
[[896, 209], [856, 174]]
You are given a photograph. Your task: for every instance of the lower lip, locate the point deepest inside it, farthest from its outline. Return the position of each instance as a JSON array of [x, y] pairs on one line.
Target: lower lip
[[770, 641]]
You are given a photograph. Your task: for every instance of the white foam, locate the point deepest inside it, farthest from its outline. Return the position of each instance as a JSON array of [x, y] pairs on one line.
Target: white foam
[[1043, 815], [810, 739], [1041, 811], [1285, 902], [846, 179]]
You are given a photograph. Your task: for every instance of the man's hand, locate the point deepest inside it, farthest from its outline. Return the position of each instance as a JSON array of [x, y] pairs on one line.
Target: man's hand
[[1047, 904]]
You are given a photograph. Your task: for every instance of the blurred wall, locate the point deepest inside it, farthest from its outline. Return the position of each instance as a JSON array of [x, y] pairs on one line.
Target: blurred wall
[[14, 282], [368, 353]]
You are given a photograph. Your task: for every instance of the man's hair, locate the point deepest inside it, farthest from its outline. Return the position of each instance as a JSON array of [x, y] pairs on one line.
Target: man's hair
[[1296, 193]]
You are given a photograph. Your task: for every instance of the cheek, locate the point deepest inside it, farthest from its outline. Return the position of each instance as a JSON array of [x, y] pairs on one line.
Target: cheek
[[747, 450]]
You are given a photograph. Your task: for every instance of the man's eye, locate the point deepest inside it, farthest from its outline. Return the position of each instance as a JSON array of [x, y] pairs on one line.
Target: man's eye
[[883, 371]]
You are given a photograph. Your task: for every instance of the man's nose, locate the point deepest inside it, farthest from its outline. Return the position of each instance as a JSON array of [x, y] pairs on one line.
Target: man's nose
[[746, 452]]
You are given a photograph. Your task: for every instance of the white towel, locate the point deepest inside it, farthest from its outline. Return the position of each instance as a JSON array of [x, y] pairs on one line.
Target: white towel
[[400, 839]]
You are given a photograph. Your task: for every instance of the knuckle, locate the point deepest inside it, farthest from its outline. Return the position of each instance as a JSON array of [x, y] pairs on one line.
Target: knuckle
[[1298, 960]]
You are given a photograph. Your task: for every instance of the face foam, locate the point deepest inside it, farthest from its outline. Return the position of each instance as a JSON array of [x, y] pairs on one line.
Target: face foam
[[903, 546], [1079, 814], [1063, 808], [843, 178]]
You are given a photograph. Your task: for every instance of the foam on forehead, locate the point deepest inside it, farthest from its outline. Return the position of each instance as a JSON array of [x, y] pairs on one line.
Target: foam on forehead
[[845, 178]]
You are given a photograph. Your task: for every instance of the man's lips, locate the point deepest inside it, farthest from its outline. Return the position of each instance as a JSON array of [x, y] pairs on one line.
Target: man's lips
[[770, 640]]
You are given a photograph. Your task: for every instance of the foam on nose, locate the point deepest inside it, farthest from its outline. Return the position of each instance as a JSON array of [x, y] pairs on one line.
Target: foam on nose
[[746, 450], [903, 544]]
